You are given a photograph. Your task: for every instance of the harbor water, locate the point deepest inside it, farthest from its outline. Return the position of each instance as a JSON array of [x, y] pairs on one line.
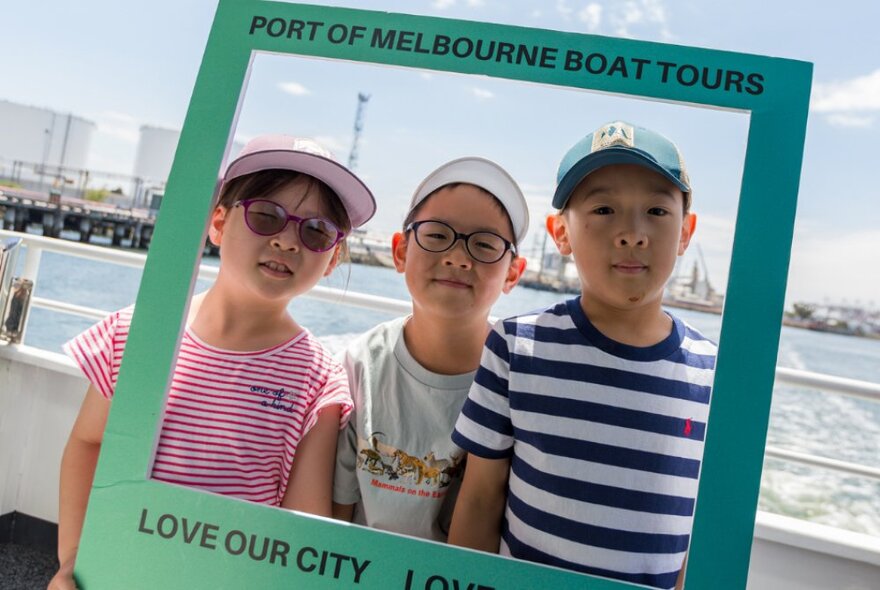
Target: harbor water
[[802, 420]]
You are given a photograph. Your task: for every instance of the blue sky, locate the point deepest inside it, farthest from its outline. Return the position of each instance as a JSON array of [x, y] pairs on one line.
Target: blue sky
[[124, 64]]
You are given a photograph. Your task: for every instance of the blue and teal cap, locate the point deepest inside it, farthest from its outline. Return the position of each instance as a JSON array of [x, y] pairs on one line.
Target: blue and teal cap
[[620, 143]]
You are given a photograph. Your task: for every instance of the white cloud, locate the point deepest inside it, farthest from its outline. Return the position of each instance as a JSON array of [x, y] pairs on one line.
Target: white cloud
[[443, 4], [475, 3], [630, 14], [339, 146], [835, 267], [856, 95], [844, 120], [624, 18], [482, 93], [841, 100], [591, 15], [563, 9], [639, 13], [294, 88]]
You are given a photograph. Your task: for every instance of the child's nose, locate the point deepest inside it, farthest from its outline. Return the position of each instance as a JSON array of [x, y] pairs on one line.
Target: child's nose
[[632, 240], [288, 238], [458, 256], [631, 236]]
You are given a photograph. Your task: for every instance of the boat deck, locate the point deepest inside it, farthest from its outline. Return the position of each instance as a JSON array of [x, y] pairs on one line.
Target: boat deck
[[25, 567]]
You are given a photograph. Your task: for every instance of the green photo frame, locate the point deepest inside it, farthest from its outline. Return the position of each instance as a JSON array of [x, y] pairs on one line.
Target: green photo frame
[[144, 533]]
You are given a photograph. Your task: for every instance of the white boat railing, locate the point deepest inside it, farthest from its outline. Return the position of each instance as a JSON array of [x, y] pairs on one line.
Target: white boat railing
[[35, 245]]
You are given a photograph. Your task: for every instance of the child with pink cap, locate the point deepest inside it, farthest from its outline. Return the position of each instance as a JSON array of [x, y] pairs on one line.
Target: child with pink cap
[[255, 402]]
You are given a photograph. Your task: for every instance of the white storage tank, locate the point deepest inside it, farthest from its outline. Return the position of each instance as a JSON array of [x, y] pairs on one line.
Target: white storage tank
[[155, 154], [38, 136]]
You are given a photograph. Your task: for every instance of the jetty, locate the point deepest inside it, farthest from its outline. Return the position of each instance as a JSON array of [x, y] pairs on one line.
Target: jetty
[[21, 208]]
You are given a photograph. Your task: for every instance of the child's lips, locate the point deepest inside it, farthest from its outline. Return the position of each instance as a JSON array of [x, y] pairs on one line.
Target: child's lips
[[454, 283], [630, 267], [276, 268]]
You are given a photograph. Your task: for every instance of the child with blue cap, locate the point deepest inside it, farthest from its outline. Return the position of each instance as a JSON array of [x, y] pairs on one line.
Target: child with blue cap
[[585, 424]]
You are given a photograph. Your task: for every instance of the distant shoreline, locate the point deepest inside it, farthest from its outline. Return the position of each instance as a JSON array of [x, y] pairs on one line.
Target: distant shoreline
[[361, 255]]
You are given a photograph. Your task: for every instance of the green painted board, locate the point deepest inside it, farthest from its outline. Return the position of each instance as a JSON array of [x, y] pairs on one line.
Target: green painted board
[[140, 533]]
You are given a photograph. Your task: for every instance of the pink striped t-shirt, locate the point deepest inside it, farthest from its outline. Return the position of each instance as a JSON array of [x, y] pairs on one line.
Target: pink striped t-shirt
[[233, 420]]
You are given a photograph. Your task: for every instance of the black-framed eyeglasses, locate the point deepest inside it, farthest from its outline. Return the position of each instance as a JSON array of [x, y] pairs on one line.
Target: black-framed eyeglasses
[[483, 246], [267, 218]]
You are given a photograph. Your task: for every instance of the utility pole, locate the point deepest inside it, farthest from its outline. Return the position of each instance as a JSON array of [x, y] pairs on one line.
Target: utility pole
[[358, 127]]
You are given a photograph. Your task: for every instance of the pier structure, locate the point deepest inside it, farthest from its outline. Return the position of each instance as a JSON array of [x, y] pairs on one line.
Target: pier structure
[[21, 208]]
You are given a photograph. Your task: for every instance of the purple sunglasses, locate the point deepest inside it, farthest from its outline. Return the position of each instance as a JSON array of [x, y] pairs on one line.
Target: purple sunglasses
[[267, 218]]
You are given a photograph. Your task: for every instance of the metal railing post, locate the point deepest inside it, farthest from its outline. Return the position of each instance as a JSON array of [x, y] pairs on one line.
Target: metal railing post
[[30, 270]]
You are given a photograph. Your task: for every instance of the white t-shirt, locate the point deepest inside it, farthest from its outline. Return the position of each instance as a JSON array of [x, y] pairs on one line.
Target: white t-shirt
[[395, 460]]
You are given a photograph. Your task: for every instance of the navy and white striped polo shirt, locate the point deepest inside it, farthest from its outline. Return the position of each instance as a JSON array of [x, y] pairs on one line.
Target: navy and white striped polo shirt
[[605, 442]]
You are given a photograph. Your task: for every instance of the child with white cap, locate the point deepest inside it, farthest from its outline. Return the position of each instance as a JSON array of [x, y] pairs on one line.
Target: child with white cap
[[255, 402], [397, 468], [586, 421]]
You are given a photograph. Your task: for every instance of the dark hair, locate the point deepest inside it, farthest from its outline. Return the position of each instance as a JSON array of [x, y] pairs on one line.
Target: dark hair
[[415, 210]]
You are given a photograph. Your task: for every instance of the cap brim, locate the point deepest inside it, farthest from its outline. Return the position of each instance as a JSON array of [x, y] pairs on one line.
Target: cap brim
[[608, 157], [487, 175], [357, 199]]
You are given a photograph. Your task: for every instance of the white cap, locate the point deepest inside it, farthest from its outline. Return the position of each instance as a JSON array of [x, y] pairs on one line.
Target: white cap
[[487, 175]]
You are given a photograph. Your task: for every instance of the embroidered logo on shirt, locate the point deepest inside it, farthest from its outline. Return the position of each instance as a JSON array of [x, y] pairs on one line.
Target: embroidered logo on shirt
[[688, 427], [275, 398]]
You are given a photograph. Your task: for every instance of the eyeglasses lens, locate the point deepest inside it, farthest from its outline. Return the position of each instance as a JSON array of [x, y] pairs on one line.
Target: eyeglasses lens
[[486, 247], [317, 234], [434, 237], [265, 218], [482, 246]]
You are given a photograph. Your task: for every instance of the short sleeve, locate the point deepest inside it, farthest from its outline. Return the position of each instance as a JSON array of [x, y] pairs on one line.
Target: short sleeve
[[98, 351], [484, 428], [334, 391], [346, 489]]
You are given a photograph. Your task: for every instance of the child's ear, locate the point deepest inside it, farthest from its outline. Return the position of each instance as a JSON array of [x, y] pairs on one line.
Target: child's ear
[[334, 260], [398, 250], [215, 228], [557, 227], [688, 226], [514, 273]]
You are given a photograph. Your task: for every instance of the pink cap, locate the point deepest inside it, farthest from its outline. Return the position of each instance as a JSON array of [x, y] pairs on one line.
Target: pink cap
[[285, 152]]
